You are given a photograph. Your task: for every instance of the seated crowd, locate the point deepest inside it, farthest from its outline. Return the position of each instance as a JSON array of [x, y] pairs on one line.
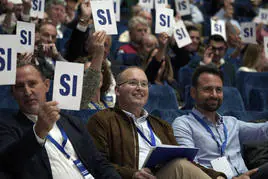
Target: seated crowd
[[42, 141]]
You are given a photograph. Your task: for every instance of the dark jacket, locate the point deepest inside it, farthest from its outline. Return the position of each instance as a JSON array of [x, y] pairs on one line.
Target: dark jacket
[[24, 158]]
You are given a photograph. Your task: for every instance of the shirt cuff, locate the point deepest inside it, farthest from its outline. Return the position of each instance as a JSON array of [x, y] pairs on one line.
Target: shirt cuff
[[39, 140], [82, 28]]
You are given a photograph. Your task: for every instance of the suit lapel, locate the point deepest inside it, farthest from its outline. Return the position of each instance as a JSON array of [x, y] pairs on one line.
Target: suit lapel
[[25, 123]]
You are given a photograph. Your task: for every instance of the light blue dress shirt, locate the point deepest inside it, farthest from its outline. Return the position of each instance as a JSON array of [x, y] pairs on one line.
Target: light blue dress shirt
[[189, 132]]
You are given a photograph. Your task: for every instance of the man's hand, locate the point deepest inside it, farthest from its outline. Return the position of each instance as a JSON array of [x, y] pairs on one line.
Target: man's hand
[[144, 173], [86, 10], [247, 174], [47, 116], [50, 50], [208, 56], [27, 4], [26, 57]]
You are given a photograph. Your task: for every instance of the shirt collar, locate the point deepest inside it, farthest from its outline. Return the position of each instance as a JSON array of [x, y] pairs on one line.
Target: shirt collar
[[140, 119], [199, 114], [31, 117]]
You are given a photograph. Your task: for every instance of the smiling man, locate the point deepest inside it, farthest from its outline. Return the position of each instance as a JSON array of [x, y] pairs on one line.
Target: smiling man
[[217, 137], [126, 134]]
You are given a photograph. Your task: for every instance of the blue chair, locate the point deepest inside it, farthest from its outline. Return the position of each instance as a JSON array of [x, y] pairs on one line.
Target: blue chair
[[232, 100], [258, 99], [161, 97], [7, 100], [168, 115], [246, 81], [83, 114]]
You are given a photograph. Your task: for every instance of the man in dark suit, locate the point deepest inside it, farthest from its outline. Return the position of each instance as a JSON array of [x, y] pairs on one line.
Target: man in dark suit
[[41, 142]]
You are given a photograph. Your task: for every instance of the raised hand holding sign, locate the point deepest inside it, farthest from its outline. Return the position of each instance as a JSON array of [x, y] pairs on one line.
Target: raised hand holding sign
[[103, 16], [68, 82], [8, 59]]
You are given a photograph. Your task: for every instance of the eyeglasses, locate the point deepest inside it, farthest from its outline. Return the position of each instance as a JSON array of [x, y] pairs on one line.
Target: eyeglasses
[[214, 49], [135, 83]]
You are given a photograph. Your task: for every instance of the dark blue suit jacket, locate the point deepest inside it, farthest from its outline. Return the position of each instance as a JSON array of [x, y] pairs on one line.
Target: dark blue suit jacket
[[24, 158]]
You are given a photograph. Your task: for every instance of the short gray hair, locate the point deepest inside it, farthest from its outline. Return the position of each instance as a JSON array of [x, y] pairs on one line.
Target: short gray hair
[[136, 20]]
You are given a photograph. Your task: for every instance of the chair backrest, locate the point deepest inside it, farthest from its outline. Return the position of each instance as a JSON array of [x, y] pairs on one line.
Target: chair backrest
[[161, 97], [6, 98], [83, 114], [258, 99], [246, 81], [232, 100], [168, 115]]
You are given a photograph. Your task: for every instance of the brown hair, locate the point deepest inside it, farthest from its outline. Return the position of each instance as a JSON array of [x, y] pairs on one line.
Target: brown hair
[[107, 78], [252, 55]]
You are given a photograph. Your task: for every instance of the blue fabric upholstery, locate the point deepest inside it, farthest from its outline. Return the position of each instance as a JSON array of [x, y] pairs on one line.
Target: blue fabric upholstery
[[83, 114], [161, 97], [7, 100], [232, 100], [248, 115], [258, 99], [246, 81], [169, 114]]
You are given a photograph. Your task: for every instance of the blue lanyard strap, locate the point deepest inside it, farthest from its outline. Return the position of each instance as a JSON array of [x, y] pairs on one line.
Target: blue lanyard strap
[[97, 107], [60, 147], [152, 142], [204, 124]]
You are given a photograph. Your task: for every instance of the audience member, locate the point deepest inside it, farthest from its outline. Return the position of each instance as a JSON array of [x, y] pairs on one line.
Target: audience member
[[217, 137], [138, 27], [46, 49], [252, 58], [115, 132], [41, 142]]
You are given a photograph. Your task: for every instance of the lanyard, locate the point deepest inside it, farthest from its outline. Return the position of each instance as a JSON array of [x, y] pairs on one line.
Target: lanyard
[[204, 124], [97, 107], [77, 162], [152, 142], [60, 147]]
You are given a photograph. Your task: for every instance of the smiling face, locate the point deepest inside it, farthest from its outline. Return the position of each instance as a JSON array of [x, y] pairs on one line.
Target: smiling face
[[30, 89], [208, 93], [129, 94]]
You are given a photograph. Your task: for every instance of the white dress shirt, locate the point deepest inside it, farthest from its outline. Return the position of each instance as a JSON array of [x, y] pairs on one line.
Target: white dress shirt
[[61, 166], [144, 146]]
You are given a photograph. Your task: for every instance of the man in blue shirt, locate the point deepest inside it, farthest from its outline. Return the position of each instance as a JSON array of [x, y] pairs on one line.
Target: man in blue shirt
[[218, 137]]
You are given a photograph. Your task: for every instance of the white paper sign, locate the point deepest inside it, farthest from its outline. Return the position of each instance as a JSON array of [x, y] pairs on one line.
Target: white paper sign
[[263, 16], [26, 37], [218, 27], [15, 1], [265, 42], [183, 7], [103, 16], [68, 83], [147, 4], [222, 165], [160, 4], [164, 21], [117, 10], [248, 32], [181, 34], [8, 59], [38, 8]]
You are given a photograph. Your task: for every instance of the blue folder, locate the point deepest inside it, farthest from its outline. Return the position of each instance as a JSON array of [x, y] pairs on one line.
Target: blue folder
[[165, 153]]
